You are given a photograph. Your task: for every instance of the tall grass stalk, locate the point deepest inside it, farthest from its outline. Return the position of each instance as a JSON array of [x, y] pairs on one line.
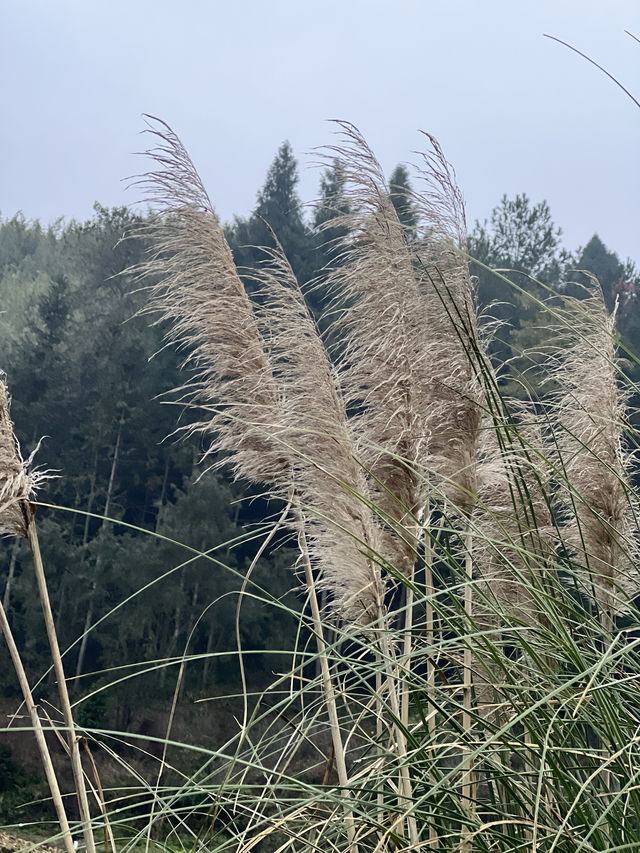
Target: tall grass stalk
[[17, 519], [45, 756], [468, 778], [327, 682], [63, 693]]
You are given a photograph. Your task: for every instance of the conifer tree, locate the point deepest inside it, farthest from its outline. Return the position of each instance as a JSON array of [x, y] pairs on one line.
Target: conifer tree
[[400, 193], [278, 204]]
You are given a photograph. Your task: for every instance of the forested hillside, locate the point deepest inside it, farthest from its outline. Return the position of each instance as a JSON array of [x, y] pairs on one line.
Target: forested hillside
[[90, 378]]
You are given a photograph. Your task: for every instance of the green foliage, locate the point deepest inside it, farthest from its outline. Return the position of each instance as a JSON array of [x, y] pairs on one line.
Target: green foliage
[[604, 265], [78, 362], [278, 205], [92, 714], [619, 283], [522, 237], [332, 201], [523, 243], [400, 193], [16, 787]]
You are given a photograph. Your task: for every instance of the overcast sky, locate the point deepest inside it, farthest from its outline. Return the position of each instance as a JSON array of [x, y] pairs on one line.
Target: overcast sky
[[514, 111]]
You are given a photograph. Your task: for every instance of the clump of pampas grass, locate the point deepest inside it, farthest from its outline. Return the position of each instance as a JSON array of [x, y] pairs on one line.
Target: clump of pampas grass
[[261, 375], [394, 448], [363, 451]]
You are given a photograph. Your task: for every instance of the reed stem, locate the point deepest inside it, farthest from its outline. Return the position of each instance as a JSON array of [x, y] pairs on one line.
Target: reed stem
[[468, 777], [405, 789], [327, 683], [38, 731], [74, 746]]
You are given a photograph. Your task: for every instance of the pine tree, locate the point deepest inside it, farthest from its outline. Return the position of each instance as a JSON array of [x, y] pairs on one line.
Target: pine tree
[[605, 265], [279, 205], [331, 203], [522, 241], [401, 196]]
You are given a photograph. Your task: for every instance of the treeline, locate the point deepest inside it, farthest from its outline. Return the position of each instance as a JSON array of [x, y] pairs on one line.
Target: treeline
[[88, 375]]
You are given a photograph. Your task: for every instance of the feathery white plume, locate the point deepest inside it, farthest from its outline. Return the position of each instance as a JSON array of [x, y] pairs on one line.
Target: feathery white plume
[[199, 291], [589, 415], [329, 481], [17, 483], [455, 357], [383, 367]]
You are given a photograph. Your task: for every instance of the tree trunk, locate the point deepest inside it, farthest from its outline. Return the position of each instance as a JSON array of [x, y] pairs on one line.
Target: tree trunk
[[207, 660], [177, 625], [85, 534], [94, 584]]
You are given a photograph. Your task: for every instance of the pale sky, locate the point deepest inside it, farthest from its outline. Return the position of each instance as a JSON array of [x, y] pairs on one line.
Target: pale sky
[[514, 111]]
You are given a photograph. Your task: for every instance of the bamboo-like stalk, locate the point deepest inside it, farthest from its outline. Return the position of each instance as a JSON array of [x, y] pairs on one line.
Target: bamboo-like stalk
[[74, 746], [43, 748], [394, 686], [380, 750], [98, 793], [429, 591], [327, 682], [406, 663], [407, 644], [468, 775]]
